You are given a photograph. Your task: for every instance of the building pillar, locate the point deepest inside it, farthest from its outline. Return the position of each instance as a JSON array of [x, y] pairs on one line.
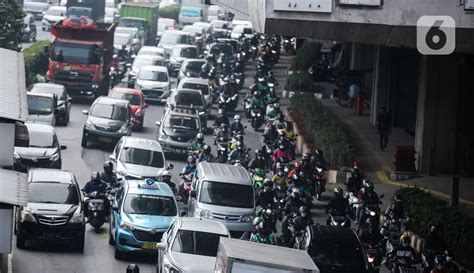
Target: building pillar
[[380, 82]]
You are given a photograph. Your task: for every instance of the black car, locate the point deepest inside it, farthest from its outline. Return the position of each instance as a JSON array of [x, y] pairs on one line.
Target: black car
[[44, 150], [54, 212], [191, 68], [63, 108], [337, 250], [29, 29]]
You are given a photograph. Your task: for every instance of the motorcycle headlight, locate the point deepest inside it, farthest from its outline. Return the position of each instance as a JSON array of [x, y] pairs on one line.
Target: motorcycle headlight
[[126, 226], [372, 213], [26, 216], [205, 214], [237, 80], [16, 155], [123, 129], [271, 84], [169, 268], [27, 29], [371, 259], [112, 68], [247, 218], [54, 157]]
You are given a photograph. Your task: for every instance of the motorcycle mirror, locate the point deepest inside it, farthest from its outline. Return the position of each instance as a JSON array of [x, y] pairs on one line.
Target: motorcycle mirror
[[183, 213], [382, 196], [112, 157], [193, 193], [115, 208], [161, 246], [170, 166]]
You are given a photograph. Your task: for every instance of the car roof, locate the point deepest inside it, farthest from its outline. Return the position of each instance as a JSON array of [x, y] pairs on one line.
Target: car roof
[[202, 225], [223, 173], [46, 95], [193, 60], [149, 57], [190, 113], [137, 186], [142, 143], [133, 18], [118, 29], [50, 175], [40, 127], [174, 31], [151, 49], [49, 85], [57, 8], [157, 68], [194, 80], [111, 101], [127, 90], [180, 46], [333, 234]]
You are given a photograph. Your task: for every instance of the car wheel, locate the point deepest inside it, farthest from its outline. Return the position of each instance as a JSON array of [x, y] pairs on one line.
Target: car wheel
[[84, 141], [80, 243], [118, 254], [20, 242]]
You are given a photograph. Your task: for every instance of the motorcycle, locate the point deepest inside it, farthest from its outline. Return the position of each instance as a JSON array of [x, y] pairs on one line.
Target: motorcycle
[[229, 103], [185, 187], [338, 220], [222, 150], [319, 184], [372, 216], [427, 259], [256, 118], [354, 205], [301, 237], [373, 256], [97, 213], [401, 265], [258, 175]]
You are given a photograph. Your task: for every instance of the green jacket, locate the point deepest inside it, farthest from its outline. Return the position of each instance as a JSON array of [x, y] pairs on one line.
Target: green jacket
[[197, 147], [256, 103], [269, 240]]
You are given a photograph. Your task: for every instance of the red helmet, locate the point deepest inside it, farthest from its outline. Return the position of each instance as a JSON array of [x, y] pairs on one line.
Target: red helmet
[[298, 165]]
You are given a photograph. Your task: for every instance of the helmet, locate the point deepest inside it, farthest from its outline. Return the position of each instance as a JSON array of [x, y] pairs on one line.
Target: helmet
[[276, 104], [267, 182], [405, 239], [191, 160], [166, 176], [108, 166], [95, 176], [237, 118], [207, 149], [210, 58], [338, 192], [267, 214], [282, 146], [298, 165], [439, 262], [305, 156], [355, 172], [295, 193], [448, 254], [433, 228], [280, 126], [257, 221], [368, 185], [200, 137], [319, 152], [224, 126], [220, 112], [258, 153], [133, 268], [303, 211]]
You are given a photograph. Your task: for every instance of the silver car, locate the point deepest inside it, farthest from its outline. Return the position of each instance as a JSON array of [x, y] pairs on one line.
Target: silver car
[[139, 157], [197, 84], [190, 245], [42, 107], [38, 7]]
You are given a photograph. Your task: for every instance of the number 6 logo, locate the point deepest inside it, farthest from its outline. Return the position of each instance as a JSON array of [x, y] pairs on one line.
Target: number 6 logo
[[436, 35]]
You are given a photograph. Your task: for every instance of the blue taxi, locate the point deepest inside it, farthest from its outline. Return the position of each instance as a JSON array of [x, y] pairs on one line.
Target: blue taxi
[[141, 212]]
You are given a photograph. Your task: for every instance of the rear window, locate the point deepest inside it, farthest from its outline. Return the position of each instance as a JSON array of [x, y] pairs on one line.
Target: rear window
[[153, 76], [150, 205], [204, 88], [188, 52], [132, 98], [39, 105], [194, 66], [189, 99], [110, 112], [140, 24], [142, 157]]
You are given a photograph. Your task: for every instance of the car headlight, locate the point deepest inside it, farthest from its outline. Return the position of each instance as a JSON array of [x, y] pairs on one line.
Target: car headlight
[[123, 129], [169, 268], [89, 125], [95, 86], [247, 218], [163, 136], [54, 157], [26, 216], [62, 107], [16, 155], [126, 226], [166, 88], [77, 218], [271, 84], [205, 214]]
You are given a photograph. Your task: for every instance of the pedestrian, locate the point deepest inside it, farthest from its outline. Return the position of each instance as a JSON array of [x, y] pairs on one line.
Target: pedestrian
[[383, 127], [354, 90]]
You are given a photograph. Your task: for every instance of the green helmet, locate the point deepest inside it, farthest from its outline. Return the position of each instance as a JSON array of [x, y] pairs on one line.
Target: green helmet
[[257, 221], [338, 192]]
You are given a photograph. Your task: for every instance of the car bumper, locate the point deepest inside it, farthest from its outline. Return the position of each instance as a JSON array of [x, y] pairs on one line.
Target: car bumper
[[23, 164], [105, 137], [156, 95], [36, 231], [61, 116], [173, 147], [127, 242], [236, 229]]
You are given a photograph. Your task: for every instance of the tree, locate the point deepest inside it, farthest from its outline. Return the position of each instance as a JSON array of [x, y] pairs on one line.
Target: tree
[[11, 24]]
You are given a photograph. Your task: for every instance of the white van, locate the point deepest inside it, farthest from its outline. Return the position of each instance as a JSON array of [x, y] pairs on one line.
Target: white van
[[214, 12], [189, 15]]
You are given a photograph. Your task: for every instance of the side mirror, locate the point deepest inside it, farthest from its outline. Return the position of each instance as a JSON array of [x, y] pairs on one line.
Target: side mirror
[[63, 147], [182, 213], [193, 193], [85, 112], [158, 123], [161, 246], [46, 49], [170, 166], [112, 157], [382, 196]]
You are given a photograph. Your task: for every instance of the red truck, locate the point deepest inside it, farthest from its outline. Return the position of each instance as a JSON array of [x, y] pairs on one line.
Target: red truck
[[80, 58]]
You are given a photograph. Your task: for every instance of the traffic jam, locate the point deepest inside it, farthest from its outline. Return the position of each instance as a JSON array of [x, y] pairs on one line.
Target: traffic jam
[[217, 186]]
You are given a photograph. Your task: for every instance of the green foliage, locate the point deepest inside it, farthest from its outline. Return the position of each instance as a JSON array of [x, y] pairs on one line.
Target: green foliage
[[323, 130], [171, 12], [36, 60], [11, 24], [456, 227], [300, 81], [308, 54]]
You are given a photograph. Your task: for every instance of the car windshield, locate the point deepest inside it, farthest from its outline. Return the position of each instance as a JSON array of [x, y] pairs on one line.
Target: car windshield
[[174, 121], [204, 88], [53, 193], [109, 12], [36, 1], [188, 99], [227, 194], [58, 91], [193, 30], [132, 23], [150, 205], [126, 30], [187, 52], [42, 139], [174, 38], [75, 53], [110, 112], [148, 75], [132, 98], [56, 12], [196, 243], [336, 253], [248, 31], [139, 62], [79, 12], [121, 39], [40, 105], [194, 66], [142, 157], [222, 48]]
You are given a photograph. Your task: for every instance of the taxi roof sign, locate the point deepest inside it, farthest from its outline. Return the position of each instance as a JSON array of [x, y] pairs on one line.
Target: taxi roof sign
[[149, 183]]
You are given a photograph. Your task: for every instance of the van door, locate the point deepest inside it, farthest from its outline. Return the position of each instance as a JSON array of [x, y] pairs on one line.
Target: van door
[[192, 201]]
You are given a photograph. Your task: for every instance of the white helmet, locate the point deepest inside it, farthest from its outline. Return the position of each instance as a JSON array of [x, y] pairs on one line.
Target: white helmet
[[237, 117], [166, 173]]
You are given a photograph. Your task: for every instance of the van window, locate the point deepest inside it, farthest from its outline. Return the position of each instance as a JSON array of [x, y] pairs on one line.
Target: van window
[[191, 12], [227, 194]]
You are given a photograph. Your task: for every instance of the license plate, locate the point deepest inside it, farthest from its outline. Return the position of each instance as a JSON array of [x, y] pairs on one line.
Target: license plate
[[49, 235], [150, 246], [152, 94], [105, 139]]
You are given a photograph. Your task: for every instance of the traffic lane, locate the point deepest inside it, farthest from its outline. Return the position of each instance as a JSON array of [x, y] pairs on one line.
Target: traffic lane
[[40, 34]]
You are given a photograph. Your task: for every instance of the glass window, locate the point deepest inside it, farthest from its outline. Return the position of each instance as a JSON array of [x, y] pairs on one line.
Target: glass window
[[56, 12], [174, 121], [42, 139], [248, 31], [75, 53], [337, 252], [204, 88], [122, 39], [40, 105], [194, 66], [142, 157], [59, 92], [150, 205], [148, 75], [189, 99], [110, 112], [174, 38], [132, 98], [53, 193], [222, 48], [227, 194], [126, 22], [196, 243], [188, 52]]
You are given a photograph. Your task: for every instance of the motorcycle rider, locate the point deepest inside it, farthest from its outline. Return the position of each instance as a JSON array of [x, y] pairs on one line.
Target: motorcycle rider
[[267, 198], [236, 127], [257, 101], [439, 265], [190, 167], [354, 183], [403, 251], [280, 179], [451, 267], [222, 133], [206, 155], [258, 161], [237, 154], [273, 110], [396, 208], [367, 196], [290, 210], [338, 205], [434, 244], [281, 152], [371, 236], [108, 175], [133, 268], [263, 234], [165, 177], [221, 118], [297, 168], [95, 184], [198, 146], [301, 221], [319, 160]]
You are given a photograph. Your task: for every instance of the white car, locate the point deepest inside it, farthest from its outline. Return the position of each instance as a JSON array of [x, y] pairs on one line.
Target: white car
[[52, 16], [151, 50], [190, 245], [214, 12], [219, 24], [239, 29], [137, 156], [197, 84], [111, 14], [140, 61], [170, 38], [154, 82], [206, 26]]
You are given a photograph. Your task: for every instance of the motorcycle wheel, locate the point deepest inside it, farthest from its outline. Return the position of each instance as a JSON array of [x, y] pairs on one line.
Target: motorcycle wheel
[[318, 196]]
